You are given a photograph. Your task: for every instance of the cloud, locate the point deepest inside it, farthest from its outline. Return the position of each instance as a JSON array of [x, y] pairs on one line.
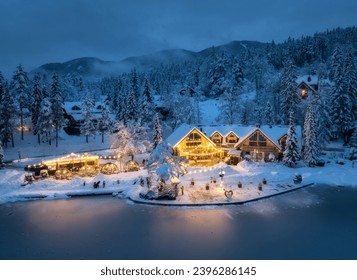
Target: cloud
[[40, 31]]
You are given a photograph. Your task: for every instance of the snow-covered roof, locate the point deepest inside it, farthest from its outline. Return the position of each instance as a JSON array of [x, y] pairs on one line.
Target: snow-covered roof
[[308, 79], [70, 107], [311, 80], [182, 132], [274, 133]]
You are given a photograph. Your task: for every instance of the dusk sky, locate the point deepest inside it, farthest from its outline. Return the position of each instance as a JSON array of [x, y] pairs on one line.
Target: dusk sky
[[40, 31]]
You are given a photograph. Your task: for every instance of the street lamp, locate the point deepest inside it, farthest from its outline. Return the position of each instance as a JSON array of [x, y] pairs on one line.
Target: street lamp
[[221, 174]]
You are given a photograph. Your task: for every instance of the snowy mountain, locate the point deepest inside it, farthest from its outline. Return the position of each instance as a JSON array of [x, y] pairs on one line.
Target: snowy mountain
[[85, 66], [94, 67]]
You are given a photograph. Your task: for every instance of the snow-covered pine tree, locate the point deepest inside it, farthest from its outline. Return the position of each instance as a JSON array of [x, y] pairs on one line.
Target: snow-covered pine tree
[[244, 117], [350, 80], [56, 100], [353, 139], [8, 116], [147, 105], [291, 153], [228, 106], [289, 97], [216, 75], [121, 139], [340, 101], [163, 165], [157, 135], [132, 110], [19, 88], [351, 153], [269, 116], [2, 156], [1, 85], [322, 116], [104, 121], [139, 139], [311, 143], [44, 124], [88, 119], [336, 68], [36, 105]]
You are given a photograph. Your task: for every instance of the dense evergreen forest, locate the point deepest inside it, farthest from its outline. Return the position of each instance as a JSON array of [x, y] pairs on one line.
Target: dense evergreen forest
[[175, 89]]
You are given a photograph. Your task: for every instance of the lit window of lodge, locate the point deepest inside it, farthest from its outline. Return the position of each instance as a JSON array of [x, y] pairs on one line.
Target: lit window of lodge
[[232, 138], [257, 140], [193, 139]]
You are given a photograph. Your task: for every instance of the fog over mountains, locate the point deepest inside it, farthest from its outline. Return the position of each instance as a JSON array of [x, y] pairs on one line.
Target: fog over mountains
[[91, 67]]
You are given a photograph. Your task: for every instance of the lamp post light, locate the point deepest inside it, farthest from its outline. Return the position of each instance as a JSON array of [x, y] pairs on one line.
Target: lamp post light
[[221, 174]]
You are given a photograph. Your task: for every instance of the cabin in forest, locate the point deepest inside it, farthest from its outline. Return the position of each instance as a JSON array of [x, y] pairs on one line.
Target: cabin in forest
[[73, 113], [309, 84], [208, 145]]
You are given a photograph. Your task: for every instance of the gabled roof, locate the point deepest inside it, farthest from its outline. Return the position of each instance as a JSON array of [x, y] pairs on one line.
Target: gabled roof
[[276, 143], [216, 131], [273, 133], [230, 133], [307, 85], [308, 79], [182, 132], [311, 80]]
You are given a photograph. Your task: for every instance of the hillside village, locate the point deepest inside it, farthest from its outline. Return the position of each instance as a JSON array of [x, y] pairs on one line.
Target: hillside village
[[241, 106]]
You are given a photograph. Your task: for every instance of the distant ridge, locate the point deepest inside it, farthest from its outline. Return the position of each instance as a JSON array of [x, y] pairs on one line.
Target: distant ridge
[[95, 67]]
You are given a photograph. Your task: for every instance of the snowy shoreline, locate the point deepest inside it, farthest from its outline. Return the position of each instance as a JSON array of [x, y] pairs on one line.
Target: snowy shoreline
[[250, 174]]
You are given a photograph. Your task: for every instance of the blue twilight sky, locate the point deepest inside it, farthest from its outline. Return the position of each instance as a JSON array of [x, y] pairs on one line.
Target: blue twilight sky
[[34, 32]]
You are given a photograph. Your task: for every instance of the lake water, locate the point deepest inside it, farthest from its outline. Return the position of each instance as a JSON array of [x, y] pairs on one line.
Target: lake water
[[318, 222]]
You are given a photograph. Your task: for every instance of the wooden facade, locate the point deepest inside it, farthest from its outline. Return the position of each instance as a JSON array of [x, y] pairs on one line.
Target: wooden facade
[[198, 149], [208, 145], [259, 146]]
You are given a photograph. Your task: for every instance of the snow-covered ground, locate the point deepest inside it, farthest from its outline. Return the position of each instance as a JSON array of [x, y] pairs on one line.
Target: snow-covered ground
[[250, 174], [279, 177]]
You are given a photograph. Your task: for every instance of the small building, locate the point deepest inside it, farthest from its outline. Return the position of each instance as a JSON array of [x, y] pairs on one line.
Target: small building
[[208, 145], [309, 84], [73, 113]]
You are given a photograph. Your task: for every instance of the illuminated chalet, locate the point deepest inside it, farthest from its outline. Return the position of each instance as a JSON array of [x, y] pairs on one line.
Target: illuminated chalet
[[208, 145]]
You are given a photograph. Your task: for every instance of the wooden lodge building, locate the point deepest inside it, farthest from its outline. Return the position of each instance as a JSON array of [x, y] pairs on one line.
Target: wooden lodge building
[[309, 85], [208, 145]]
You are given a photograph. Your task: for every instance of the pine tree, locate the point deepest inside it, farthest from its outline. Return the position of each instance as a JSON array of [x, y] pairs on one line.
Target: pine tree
[[133, 99], [340, 101], [57, 105], [1, 85], [311, 143], [7, 116], [322, 116], [353, 139], [269, 117], [350, 80], [147, 105], [228, 107], [44, 124], [163, 165], [289, 97], [36, 103], [87, 125], [139, 137], [336, 68], [104, 121], [291, 153], [351, 153], [157, 137], [121, 139], [2, 156], [19, 87]]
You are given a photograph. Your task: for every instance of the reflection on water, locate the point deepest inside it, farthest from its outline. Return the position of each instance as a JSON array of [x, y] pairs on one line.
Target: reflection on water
[[315, 223]]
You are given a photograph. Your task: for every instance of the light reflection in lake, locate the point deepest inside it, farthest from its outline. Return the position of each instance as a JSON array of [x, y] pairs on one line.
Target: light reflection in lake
[[315, 223]]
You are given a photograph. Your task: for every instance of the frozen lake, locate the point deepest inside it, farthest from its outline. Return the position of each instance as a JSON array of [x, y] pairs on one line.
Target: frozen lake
[[319, 222]]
